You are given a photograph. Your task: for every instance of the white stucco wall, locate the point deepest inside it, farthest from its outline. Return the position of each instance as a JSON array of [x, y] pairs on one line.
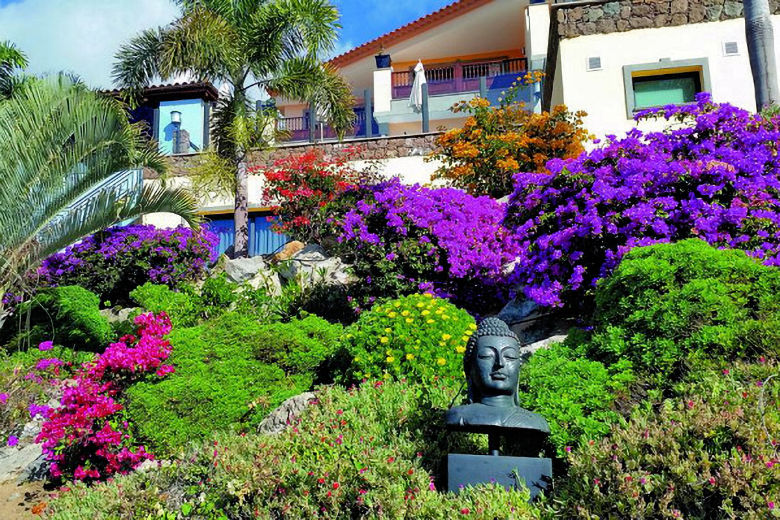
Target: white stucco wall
[[601, 93]]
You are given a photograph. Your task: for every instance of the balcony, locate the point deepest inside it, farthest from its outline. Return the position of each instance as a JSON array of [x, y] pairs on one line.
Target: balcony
[[461, 77], [298, 128]]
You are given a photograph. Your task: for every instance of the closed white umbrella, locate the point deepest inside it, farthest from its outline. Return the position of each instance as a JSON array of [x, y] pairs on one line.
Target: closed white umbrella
[[416, 97]]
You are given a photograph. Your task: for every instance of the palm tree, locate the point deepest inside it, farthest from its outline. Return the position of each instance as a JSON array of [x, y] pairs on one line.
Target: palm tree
[[58, 141], [273, 44], [761, 49], [11, 58]]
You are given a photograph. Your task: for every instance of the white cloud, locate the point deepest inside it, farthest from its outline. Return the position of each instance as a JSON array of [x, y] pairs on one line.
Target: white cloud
[[79, 36]]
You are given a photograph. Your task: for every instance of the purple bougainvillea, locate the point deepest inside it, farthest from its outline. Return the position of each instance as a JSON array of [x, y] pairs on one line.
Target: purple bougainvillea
[[405, 239], [715, 176], [116, 260]]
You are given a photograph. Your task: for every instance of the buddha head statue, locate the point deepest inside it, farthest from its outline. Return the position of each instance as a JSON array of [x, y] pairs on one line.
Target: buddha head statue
[[492, 361]]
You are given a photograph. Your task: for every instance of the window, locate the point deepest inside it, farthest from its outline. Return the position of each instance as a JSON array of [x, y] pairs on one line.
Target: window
[[654, 91], [664, 83]]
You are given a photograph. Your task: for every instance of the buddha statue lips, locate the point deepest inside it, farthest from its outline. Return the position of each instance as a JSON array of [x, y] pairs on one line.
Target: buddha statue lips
[[492, 363]]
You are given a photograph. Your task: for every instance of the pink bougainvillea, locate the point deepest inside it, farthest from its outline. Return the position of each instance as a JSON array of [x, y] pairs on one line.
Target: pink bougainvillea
[[86, 437]]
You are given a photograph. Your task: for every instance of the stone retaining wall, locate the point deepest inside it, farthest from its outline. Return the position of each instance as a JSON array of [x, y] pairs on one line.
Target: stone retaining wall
[[603, 17], [361, 149]]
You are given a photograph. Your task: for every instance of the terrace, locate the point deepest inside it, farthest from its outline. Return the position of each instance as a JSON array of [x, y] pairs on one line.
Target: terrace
[[461, 77]]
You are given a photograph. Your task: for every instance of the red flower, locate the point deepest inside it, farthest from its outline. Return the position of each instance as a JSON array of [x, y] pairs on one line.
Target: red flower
[[335, 485]]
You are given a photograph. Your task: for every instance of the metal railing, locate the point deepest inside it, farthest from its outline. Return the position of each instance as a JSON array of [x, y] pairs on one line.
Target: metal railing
[[457, 77], [297, 128]]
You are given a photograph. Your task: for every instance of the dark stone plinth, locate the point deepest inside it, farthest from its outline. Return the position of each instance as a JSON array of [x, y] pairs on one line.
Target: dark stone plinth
[[470, 470]]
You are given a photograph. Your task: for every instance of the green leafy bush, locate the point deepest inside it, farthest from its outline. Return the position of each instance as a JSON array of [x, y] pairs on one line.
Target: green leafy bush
[[711, 454], [417, 336], [226, 375], [668, 305], [297, 347], [575, 395], [182, 307], [67, 315], [370, 452]]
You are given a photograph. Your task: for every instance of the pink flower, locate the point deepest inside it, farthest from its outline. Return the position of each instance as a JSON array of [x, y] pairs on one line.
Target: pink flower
[[45, 345], [3, 398], [13, 440]]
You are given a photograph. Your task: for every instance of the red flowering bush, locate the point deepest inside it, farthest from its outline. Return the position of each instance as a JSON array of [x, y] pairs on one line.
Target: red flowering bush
[[299, 187], [86, 436]]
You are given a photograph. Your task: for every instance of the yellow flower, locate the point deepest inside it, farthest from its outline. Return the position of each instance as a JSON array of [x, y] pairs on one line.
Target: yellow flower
[[428, 295], [441, 361], [429, 321], [384, 339], [393, 314], [442, 344], [405, 313], [439, 311], [460, 350], [388, 330], [469, 332], [410, 357], [473, 326], [409, 320], [445, 337], [464, 339], [445, 317], [396, 304], [426, 312], [420, 304], [389, 359]]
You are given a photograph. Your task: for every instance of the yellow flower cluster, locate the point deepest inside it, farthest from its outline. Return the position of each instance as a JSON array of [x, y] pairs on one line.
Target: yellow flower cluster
[[421, 335]]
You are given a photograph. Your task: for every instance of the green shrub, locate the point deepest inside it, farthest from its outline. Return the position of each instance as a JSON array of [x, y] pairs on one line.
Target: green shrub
[[418, 336], [370, 452], [67, 315], [575, 395], [669, 305], [709, 455], [226, 375], [297, 347], [182, 307]]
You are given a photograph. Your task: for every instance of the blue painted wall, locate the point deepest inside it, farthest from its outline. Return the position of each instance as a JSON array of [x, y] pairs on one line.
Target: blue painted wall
[[192, 114], [262, 240]]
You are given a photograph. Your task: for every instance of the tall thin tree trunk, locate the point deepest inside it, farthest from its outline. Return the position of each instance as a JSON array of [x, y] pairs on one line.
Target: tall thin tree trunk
[[241, 215], [761, 49]]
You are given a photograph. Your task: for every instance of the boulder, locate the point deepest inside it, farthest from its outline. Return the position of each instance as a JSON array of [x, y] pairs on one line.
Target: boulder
[[118, 315], [242, 270], [268, 280], [286, 414], [312, 266], [289, 250]]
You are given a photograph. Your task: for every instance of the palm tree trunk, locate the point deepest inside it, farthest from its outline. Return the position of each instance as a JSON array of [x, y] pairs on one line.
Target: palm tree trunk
[[760, 43], [241, 215]]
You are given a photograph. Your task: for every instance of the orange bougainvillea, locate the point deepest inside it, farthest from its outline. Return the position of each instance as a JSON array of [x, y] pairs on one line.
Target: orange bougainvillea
[[498, 141]]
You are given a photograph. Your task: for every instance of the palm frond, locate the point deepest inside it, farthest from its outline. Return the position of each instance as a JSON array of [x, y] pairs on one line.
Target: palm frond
[[307, 78], [58, 141], [11, 59]]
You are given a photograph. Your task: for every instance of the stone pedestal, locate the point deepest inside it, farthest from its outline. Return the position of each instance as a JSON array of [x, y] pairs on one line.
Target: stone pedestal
[[470, 470]]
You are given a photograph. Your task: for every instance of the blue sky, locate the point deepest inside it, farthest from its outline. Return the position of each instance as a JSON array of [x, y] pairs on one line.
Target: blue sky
[[81, 36]]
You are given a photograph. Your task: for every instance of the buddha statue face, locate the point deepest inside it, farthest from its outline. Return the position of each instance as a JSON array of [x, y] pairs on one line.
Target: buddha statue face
[[492, 362], [497, 365]]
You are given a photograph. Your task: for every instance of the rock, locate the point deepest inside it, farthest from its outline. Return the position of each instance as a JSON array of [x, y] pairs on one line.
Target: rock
[[118, 315], [289, 250], [732, 9], [311, 266], [268, 280], [278, 420], [311, 253], [15, 462], [242, 270], [543, 343], [531, 322]]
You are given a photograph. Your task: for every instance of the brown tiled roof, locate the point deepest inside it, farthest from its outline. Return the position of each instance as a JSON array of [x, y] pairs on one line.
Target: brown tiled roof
[[200, 89], [407, 31]]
